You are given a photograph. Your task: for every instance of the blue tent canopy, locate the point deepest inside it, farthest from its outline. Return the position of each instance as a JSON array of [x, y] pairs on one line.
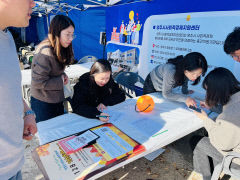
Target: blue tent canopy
[[89, 17]]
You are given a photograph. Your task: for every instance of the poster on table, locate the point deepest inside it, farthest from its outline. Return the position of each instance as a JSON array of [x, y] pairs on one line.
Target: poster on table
[[112, 147]]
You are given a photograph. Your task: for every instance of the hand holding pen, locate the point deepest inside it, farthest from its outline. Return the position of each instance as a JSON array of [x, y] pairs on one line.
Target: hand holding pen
[[104, 117]]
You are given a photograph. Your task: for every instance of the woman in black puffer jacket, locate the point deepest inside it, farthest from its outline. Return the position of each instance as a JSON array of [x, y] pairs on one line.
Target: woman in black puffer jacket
[[95, 91]]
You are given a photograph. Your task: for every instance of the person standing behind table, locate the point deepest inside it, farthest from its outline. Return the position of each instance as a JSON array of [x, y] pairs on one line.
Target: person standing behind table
[[177, 72], [16, 118], [224, 132], [232, 44], [48, 77], [95, 91]]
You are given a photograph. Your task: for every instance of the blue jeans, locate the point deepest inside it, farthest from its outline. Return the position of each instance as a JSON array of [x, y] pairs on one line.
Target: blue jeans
[[45, 111], [18, 176]]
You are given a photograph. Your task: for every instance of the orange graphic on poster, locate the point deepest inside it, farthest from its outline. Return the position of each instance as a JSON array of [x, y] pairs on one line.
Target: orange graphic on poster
[[43, 150]]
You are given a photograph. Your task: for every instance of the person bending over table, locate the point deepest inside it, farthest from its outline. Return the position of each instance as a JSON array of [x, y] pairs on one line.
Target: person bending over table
[[177, 72], [48, 77], [95, 91], [223, 88], [232, 44]]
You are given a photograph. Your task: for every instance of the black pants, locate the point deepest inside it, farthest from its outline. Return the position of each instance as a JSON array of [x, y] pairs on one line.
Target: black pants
[[148, 85]]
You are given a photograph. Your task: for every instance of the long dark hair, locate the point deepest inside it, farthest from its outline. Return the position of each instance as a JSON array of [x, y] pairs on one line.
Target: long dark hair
[[220, 85], [101, 66], [189, 62], [59, 23]]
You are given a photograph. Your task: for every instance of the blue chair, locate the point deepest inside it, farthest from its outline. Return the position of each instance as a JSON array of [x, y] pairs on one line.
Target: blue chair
[[127, 81]]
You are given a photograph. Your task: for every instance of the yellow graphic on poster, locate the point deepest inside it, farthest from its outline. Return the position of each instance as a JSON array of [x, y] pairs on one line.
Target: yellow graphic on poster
[[188, 17]]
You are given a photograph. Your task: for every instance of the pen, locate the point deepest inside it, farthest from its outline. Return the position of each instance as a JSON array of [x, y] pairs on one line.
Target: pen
[[102, 116], [159, 133]]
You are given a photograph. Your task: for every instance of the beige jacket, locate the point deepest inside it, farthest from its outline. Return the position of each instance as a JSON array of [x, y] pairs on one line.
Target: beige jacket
[[224, 133], [47, 83]]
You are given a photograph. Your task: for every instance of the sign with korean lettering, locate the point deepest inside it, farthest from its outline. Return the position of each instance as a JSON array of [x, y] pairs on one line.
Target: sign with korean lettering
[[167, 36]]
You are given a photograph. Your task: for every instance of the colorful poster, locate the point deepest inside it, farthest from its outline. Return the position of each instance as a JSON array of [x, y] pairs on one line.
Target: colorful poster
[[112, 147], [128, 30]]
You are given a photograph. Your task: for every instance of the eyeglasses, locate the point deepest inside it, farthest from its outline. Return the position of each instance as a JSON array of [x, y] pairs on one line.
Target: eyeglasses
[[70, 36]]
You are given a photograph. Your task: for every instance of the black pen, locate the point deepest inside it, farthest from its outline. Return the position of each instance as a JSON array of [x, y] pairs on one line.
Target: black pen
[[102, 116]]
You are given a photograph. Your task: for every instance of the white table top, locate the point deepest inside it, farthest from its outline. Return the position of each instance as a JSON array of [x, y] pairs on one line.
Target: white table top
[[171, 116], [73, 71]]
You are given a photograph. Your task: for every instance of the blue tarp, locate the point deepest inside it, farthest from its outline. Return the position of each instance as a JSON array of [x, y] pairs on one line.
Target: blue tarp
[[88, 25], [37, 29]]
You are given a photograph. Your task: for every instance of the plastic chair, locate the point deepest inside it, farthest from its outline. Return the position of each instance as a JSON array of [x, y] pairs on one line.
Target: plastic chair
[[225, 167], [127, 81]]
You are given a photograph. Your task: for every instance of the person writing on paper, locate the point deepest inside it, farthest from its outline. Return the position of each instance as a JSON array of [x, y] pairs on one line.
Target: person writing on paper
[[95, 91], [48, 77], [177, 72], [224, 132]]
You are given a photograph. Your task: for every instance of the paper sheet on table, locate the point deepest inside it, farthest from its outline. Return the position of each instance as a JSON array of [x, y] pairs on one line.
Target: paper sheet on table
[[172, 116], [147, 126], [63, 126], [128, 105], [114, 115]]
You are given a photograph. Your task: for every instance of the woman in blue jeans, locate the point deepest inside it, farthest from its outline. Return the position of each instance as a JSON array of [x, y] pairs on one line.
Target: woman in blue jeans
[[48, 77], [224, 132]]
